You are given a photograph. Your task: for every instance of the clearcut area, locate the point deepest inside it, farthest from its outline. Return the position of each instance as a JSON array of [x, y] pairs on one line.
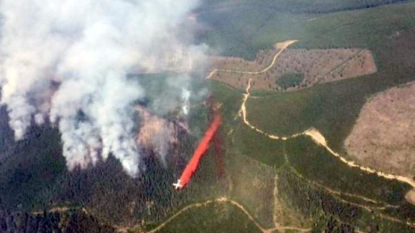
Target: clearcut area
[[383, 137]]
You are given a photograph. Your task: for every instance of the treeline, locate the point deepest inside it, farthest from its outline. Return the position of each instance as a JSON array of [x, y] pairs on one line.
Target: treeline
[[299, 7], [329, 214], [72, 221], [327, 211], [242, 27]]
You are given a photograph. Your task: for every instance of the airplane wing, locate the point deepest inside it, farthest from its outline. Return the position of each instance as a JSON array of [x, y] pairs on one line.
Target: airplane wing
[[178, 185]]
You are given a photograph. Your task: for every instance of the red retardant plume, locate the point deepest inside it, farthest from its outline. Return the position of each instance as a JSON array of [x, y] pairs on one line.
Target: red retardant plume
[[197, 156]]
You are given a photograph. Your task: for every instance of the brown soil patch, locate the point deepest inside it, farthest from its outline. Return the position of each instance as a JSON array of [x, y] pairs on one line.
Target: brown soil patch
[[383, 137], [410, 196], [262, 60], [360, 64], [317, 66]]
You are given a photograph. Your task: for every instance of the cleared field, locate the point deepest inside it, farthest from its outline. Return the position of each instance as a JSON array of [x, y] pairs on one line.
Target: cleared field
[[383, 136], [262, 60], [314, 66], [333, 108], [211, 217]]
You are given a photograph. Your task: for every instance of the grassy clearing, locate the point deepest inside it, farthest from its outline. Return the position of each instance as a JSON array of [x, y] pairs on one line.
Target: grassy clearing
[[300, 6], [242, 139], [215, 217], [252, 184], [316, 164], [258, 146], [361, 28], [231, 100], [333, 108], [242, 31]]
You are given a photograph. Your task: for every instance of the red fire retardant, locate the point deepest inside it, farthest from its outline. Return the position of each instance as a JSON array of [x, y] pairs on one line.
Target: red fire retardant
[[200, 151]]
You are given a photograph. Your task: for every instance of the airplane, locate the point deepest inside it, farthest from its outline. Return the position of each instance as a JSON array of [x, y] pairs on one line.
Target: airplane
[[193, 164], [178, 185]]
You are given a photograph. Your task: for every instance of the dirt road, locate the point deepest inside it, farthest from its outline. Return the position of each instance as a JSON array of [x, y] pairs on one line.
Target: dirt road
[[281, 46], [234, 203], [318, 138]]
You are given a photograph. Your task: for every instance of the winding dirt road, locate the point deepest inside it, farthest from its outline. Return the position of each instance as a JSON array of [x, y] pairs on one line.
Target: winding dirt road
[[280, 46], [314, 134], [318, 138], [234, 203]]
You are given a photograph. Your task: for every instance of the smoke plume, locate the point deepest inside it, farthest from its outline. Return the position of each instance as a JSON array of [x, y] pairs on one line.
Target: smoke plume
[[68, 62]]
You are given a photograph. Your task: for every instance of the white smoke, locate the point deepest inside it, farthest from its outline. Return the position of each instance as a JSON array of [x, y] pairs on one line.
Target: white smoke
[[185, 101], [68, 61]]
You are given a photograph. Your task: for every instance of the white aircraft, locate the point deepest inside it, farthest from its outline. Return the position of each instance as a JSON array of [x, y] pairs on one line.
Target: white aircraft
[[178, 185]]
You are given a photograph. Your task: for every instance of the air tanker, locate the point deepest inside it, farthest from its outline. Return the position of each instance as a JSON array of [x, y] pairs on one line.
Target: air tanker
[[193, 164]]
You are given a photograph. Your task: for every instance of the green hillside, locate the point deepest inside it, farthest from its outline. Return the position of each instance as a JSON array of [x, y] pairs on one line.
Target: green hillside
[[278, 185]]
